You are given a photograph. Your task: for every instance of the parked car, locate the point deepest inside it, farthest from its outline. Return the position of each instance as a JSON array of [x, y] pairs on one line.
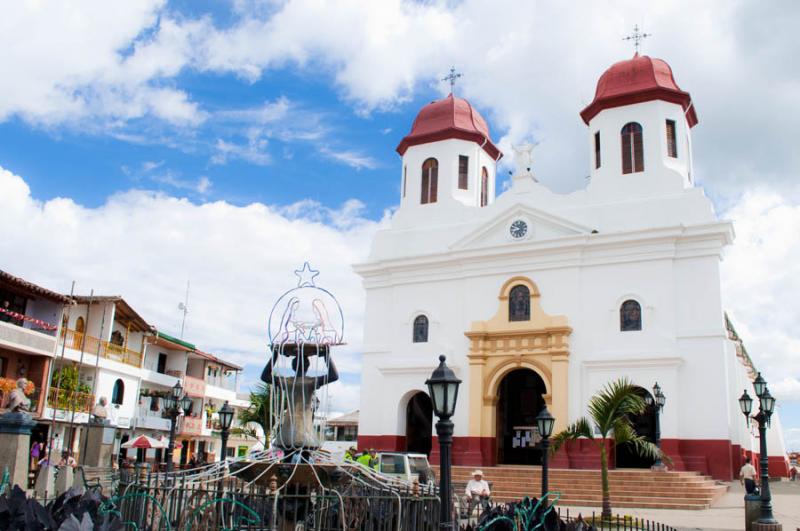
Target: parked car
[[408, 467]]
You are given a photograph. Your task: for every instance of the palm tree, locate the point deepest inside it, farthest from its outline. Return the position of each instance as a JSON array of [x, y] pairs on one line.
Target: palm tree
[[259, 411], [610, 410]]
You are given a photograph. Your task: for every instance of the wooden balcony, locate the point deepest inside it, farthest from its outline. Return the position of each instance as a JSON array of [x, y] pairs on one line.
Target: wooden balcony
[[104, 349], [70, 400]]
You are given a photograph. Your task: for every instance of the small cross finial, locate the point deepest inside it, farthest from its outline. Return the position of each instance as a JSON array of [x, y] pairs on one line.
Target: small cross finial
[[451, 77], [637, 37]]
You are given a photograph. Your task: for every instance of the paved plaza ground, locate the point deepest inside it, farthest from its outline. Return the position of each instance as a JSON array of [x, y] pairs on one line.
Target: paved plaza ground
[[727, 513]]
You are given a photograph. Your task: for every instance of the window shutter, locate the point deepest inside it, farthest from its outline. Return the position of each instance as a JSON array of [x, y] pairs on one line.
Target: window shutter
[[638, 151], [463, 170], [484, 188], [434, 183], [425, 185], [597, 149], [626, 153], [672, 146]]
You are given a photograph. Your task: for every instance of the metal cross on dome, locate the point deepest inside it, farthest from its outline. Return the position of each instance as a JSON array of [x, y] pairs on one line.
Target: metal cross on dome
[[637, 37], [451, 77]]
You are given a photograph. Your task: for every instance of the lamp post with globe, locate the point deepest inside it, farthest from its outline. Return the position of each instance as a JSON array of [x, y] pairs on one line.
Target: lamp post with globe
[[225, 421], [544, 424], [443, 389], [657, 401], [766, 406], [175, 402]]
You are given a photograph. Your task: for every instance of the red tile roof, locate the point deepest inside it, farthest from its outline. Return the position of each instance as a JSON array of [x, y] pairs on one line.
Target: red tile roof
[[450, 117], [637, 80]]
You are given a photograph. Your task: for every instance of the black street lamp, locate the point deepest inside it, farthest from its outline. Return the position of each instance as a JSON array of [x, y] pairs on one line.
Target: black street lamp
[[225, 420], [545, 423], [174, 403], [766, 406], [657, 400], [443, 389]]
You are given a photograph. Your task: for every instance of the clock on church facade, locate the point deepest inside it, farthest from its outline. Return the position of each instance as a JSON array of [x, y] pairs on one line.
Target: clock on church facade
[[518, 229]]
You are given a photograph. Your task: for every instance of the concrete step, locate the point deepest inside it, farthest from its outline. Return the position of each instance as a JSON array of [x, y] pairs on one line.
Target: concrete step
[[629, 487]]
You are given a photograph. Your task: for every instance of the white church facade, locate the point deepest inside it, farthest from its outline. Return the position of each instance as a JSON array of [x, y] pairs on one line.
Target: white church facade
[[538, 298]]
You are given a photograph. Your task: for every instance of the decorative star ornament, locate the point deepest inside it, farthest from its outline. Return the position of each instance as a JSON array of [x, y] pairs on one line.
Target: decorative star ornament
[[306, 276]]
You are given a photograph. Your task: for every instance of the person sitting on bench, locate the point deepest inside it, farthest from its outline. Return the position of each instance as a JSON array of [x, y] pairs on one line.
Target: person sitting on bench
[[477, 492]]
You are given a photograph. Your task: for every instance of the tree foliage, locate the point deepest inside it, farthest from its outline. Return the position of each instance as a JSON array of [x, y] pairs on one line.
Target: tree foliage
[[263, 410], [610, 411]]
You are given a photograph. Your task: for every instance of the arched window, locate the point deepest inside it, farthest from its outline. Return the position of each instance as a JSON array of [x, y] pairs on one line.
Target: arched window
[[484, 187], [430, 181], [519, 303], [630, 316], [421, 329], [80, 325], [118, 393], [632, 148]]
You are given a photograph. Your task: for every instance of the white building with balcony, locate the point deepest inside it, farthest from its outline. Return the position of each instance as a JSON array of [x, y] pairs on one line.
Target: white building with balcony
[[77, 350], [30, 316], [99, 355]]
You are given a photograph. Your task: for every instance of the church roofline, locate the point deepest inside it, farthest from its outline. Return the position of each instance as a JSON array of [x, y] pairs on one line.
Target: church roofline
[[721, 231]]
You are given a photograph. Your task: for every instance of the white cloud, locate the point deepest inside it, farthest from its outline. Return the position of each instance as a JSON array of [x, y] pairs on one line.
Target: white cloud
[[350, 158], [532, 66], [68, 63], [529, 66], [239, 259], [254, 151], [150, 165], [792, 439], [786, 389], [761, 285], [202, 185], [340, 397]]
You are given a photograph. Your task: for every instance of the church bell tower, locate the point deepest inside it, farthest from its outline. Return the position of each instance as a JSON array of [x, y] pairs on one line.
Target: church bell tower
[[640, 125], [449, 160]]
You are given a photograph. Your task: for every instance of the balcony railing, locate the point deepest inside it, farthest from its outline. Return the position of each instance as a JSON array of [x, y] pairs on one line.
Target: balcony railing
[[104, 349], [38, 341], [70, 400], [223, 383]]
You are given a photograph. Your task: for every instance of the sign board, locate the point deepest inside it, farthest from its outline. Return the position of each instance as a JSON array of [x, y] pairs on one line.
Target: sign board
[[525, 437]]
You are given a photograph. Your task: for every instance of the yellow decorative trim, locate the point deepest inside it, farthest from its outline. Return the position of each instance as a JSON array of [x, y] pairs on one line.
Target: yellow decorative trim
[[498, 346]]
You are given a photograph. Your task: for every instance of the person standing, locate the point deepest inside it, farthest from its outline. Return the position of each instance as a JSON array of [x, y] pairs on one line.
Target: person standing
[[36, 454], [350, 454], [747, 476]]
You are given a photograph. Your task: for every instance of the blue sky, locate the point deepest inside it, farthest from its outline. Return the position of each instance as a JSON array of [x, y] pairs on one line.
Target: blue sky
[[330, 153], [152, 142]]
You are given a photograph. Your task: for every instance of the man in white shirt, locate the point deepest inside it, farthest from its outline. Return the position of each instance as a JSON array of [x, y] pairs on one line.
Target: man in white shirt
[[747, 476], [477, 492]]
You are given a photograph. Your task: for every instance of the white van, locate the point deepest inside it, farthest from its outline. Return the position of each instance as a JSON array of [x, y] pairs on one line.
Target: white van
[[408, 467]]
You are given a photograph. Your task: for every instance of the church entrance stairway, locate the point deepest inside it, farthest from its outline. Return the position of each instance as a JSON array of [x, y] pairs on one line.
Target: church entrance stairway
[[581, 488]]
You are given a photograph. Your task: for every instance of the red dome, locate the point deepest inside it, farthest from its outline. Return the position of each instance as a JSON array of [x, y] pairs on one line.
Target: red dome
[[447, 118], [638, 80]]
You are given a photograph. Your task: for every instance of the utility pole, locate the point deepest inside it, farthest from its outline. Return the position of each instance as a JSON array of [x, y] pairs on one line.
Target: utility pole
[[184, 307]]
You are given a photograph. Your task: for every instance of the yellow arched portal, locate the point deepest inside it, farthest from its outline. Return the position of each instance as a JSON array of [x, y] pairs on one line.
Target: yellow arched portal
[[498, 346]]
